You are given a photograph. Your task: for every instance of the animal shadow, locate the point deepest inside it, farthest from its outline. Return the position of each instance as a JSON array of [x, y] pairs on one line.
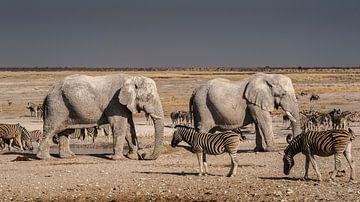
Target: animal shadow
[[175, 173], [287, 178], [106, 156], [24, 154]]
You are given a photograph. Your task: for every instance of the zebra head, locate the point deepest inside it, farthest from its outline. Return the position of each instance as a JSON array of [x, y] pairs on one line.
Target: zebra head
[[288, 163], [25, 137], [177, 138]]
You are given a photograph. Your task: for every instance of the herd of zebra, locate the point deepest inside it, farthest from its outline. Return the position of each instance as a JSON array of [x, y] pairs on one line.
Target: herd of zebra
[[319, 121], [15, 135], [181, 117], [35, 109]]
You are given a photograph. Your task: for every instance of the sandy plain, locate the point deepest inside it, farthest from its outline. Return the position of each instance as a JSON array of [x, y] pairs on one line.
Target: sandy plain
[[173, 176]]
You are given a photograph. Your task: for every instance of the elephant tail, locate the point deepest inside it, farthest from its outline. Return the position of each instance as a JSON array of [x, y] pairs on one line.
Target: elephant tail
[[191, 108], [45, 108]]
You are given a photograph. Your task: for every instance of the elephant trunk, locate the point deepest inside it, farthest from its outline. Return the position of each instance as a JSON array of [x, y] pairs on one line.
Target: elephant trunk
[[158, 119], [159, 134], [295, 122]]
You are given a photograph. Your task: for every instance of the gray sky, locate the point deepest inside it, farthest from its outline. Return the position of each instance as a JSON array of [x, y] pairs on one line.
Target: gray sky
[[176, 33]]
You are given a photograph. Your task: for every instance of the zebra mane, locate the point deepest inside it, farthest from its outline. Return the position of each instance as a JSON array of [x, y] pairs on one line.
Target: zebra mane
[[183, 126], [293, 144], [188, 128], [24, 131]]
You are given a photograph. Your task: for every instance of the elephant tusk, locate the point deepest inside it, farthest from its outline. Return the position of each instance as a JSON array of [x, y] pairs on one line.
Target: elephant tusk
[[155, 116], [290, 117]]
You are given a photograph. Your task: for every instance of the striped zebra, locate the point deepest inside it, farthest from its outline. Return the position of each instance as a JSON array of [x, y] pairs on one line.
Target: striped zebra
[[320, 143], [17, 133], [36, 135], [78, 133], [208, 143]]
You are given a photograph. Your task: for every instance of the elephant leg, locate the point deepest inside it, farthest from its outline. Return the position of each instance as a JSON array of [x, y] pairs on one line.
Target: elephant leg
[[132, 141], [263, 129], [64, 147], [119, 128], [44, 147]]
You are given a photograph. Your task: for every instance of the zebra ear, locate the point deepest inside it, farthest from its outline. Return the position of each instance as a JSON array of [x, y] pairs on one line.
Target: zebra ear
[[289, 137], [351, 131]]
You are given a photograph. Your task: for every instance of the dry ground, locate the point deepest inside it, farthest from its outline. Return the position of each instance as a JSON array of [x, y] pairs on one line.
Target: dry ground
[[93, 177]]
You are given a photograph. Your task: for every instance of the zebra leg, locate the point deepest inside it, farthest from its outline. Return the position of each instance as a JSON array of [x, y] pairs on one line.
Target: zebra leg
[[347, 154], [337, 166], [205, 164], [200, 159], [307, 161], [234, 165], [64, 147], [18, 139], [10, 143], [313, 163]]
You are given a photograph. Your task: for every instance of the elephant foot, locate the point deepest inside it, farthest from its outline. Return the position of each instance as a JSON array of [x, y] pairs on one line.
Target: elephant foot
[[68, 155], [132, 155], [116, 157], [43, 156]]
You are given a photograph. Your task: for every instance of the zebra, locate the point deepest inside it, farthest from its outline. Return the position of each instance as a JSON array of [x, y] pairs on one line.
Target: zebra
[[320, 143], [149, 121], [32, 108], [107, 131], [314, 97], [36, 135], [208, 143], [40, 110], [175, 117], [184, 117], [77, 133], [18, 133]]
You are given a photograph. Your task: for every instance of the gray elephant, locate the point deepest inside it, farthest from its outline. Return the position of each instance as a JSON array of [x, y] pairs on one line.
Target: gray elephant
[[221, 104], [83, 101]]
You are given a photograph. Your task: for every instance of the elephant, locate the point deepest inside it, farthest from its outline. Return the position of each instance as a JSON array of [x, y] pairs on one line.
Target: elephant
[[221, 105], [80, 101]]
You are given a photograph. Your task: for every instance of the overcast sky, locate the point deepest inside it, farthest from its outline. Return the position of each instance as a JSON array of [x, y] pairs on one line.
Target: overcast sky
[[120, 33]]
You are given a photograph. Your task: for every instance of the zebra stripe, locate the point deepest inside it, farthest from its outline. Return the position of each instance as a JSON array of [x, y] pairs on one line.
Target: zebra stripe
[[16, 132], [208, 143], [36, 135], [77, 133], [320, 143]]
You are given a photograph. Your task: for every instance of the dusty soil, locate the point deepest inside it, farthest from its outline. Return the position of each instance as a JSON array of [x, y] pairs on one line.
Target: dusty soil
[[91, 176]]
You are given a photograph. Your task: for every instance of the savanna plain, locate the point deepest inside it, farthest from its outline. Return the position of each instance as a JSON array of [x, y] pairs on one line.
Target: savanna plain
[[91, 176]]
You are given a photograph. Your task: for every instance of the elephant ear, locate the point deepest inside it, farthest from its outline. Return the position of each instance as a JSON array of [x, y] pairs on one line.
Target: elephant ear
[[127, 95], [259, 92]]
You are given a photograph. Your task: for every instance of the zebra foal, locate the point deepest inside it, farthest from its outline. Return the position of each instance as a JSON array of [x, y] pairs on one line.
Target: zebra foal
[[320, 143], [208, 143]]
